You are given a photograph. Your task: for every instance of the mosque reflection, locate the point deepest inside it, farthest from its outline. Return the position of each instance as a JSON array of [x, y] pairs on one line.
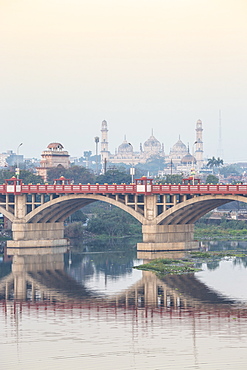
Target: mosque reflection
[[40, 276]]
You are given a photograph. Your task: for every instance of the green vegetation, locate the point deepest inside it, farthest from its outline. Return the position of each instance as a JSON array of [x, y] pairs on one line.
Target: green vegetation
[[78, 174], [218, 254], [190, 264], [114, 175], [113, 222], [103, 221], [26, 176], [77, 216], [167, 266], [211, 179], [154, 164], [214, 162], [74, 230], [233, 229], [231, 170], [170, 179]]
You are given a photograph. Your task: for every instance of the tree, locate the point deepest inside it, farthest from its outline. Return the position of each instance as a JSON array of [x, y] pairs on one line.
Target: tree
[[78, 216], [155, 163], [27, 177], [170, 179], [77, 174], [214, 162], [114, 175], [231, 170], [113, 222], [211, 179]]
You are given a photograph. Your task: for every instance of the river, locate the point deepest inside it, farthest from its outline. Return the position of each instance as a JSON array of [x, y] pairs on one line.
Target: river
[[93, 310]]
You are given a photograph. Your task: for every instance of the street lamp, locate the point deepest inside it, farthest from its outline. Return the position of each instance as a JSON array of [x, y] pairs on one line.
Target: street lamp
[[96, 139], [132, 169], [17, 171], [193, 169]]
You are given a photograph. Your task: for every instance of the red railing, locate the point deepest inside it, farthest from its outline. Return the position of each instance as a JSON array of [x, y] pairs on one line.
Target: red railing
[[124, 189]]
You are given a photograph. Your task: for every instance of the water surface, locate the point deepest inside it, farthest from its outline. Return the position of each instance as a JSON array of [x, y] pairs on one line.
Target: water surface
[[96, 311]]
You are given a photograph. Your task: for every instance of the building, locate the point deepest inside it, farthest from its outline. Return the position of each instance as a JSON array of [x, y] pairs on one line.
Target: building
[[53, 157], [125, 152], [10, 159], [179, 157]]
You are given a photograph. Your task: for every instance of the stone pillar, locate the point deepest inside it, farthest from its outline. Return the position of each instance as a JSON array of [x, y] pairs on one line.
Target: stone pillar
[[150, 207], [167, 237], [29, 235], [20, 206]]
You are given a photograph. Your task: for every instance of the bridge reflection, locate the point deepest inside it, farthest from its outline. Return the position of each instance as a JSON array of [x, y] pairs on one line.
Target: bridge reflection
[[39, 279]]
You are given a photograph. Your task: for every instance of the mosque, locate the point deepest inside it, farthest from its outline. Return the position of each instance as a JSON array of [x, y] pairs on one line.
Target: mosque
[[179, 156]]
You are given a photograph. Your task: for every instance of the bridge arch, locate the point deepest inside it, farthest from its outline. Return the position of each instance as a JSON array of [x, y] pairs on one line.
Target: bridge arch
[[7, 214], [57, 210], [189, 211]]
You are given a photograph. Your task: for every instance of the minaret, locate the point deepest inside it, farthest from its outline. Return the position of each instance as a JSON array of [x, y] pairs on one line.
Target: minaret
[[104, 145], [199, 145]]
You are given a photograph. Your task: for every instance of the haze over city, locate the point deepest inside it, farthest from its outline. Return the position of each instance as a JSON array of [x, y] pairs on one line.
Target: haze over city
[[142, 65]]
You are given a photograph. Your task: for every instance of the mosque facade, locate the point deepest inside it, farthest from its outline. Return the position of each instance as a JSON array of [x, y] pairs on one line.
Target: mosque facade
[[179, 157]]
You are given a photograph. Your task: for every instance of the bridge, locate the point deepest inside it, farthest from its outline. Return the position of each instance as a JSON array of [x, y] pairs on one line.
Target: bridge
[[167, 212]]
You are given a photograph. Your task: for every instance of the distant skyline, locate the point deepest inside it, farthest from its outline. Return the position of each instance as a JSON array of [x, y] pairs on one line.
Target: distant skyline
[[140, 65]]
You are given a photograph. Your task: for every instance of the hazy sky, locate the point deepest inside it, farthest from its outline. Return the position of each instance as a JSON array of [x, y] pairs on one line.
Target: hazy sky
[[66, 65]]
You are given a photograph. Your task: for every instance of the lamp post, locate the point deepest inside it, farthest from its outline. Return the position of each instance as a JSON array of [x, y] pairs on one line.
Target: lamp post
[[193, 169], [96, 139], [132, 168], [17, 171]]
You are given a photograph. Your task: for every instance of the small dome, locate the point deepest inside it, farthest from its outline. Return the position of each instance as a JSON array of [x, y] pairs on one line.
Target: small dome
[[188, 158], [199, 121], [55, 146], [125, 147]]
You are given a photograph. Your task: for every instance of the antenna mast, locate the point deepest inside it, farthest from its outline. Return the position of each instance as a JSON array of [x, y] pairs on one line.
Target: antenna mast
[[220, 151]]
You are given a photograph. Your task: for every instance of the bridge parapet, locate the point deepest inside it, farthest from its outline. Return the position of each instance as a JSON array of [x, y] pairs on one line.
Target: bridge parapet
[[123, 189]]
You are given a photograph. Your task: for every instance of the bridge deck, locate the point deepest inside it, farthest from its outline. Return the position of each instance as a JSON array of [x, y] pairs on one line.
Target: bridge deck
[[123, 189]]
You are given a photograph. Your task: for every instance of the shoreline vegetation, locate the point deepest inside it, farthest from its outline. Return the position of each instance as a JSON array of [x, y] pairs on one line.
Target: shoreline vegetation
[[105, 221], [226, 230], [190, 264], [121, 229]]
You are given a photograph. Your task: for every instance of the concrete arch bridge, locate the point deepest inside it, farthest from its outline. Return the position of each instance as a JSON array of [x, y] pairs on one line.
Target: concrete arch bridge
[[167, 212]]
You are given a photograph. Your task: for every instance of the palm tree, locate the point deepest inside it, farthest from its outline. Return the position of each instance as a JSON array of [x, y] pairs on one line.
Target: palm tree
[[214, 162], [219, 162]]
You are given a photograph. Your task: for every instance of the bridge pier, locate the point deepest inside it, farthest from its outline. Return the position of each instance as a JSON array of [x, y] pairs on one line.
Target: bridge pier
[[167, 237], [32, 235]]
